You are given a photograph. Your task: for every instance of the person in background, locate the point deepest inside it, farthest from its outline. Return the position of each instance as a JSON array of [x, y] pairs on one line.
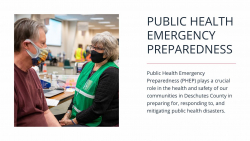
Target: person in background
[[61, 56], [96, 99], [30, 49], [41, 66], [88, 54], [80, 54], [50, 57]]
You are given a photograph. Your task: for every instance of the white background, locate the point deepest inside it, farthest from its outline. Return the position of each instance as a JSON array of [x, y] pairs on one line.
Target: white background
[[135, 124]]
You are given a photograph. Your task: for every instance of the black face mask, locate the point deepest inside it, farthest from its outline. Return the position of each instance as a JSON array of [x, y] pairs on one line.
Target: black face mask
[[96, 57]]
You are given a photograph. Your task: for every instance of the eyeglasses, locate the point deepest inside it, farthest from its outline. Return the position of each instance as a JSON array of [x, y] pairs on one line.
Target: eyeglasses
[[96, 48]]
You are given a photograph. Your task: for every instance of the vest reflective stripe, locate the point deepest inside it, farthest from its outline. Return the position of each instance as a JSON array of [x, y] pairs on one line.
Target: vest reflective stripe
[[81, 60], [77, 110], [85, 94], [81, 54]]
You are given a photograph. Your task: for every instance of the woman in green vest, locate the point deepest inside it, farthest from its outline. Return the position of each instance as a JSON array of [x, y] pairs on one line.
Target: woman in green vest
[[96, 102]]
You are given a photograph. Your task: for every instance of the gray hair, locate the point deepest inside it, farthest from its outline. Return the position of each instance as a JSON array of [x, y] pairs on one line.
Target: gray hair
[[109, 43], [26, 29]]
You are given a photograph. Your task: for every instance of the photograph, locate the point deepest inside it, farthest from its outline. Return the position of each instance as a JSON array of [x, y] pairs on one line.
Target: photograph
[[66, 70]]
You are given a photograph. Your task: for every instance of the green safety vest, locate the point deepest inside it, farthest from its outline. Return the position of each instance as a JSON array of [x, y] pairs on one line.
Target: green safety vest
[[85, 90]]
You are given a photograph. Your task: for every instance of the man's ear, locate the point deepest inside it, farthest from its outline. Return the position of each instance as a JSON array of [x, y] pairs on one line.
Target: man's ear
[[24, 44]]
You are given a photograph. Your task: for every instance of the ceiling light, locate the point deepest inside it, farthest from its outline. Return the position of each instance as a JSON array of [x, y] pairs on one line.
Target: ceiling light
[[114, 28], [91, 26], [71, 19], [109, 25], [104, 22], [96, 18]]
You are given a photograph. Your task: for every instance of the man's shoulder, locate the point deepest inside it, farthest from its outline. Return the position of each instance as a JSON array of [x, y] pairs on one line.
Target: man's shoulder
[[32, 70], [33, 74]]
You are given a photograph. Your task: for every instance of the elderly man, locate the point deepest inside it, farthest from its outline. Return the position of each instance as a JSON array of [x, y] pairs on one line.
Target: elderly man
[[30, 49]]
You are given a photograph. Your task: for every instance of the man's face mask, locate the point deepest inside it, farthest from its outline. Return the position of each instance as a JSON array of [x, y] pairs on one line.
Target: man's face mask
[[40, 56]]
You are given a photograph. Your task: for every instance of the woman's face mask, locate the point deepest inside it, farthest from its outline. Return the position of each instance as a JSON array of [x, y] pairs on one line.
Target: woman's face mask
[[96, 57], [40, 56]]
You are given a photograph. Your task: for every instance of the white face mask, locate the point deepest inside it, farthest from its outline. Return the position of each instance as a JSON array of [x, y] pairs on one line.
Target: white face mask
[[40, 56]]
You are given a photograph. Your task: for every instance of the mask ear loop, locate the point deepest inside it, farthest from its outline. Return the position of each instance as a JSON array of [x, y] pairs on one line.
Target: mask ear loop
[[37, 50]]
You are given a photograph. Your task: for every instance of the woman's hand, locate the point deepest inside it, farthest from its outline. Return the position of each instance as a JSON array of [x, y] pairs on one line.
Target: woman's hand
[[62, 121], [65, 122], [66, 117]]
